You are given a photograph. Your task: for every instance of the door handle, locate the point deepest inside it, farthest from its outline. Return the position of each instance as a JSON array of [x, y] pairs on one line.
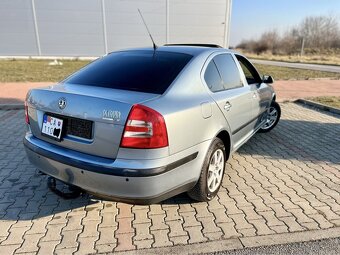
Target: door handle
[[227, 106]]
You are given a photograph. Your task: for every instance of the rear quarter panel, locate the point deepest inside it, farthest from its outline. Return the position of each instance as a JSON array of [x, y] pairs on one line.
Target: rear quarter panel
[[186, 106]]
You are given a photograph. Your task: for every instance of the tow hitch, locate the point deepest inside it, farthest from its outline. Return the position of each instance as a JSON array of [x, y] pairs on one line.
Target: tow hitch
[[74, 191]]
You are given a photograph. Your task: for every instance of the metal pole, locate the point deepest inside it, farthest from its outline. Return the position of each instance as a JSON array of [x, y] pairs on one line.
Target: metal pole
[[227, 23], [36, 27], [167, 21], [302, 46], [104, 26]]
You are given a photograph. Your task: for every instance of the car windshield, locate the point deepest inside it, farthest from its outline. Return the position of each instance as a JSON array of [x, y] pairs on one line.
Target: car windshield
[[145, 71]]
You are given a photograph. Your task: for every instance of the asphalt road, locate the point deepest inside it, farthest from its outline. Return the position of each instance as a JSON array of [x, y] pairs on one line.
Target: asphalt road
[[326, 68], [320, 247]]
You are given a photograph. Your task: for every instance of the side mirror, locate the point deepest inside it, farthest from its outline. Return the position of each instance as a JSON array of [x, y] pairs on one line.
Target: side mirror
[[267, 79]]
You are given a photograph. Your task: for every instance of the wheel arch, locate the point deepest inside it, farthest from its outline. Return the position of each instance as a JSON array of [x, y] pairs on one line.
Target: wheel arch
[[226, 139]]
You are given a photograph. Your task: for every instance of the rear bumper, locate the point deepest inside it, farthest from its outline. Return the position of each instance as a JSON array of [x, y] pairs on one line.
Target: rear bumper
[[145, 181]]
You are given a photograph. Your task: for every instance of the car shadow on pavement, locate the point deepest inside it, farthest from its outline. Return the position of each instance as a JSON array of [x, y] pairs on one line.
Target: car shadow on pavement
[[26, 201], [299, 140]]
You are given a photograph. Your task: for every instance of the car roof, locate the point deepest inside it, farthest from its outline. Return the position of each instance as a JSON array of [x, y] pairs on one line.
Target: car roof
[[186, 49]]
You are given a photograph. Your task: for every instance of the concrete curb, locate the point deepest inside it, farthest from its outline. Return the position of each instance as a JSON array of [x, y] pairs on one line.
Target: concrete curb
[[242, 242], [12, 107], [318, 106]]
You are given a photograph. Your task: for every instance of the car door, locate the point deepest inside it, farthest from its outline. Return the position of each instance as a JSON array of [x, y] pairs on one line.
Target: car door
[[261, 94], [222, 77]]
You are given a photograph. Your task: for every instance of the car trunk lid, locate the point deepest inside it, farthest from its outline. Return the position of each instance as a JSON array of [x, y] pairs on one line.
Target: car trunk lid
[[93, 117]]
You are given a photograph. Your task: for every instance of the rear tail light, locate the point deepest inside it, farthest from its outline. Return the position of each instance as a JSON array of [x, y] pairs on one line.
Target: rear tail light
[[145, 129], [26, 114]]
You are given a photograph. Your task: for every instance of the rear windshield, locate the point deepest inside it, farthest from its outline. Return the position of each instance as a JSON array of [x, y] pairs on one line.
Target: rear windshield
[[145, 71]]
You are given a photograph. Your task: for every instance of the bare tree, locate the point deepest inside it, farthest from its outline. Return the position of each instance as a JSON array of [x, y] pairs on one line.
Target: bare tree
[[317, 32]]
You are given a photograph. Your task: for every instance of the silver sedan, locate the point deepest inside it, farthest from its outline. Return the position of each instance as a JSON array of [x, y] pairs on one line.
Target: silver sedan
[[143, 125]]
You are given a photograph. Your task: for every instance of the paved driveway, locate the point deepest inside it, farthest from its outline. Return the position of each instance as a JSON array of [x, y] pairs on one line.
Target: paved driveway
[[282, 186]]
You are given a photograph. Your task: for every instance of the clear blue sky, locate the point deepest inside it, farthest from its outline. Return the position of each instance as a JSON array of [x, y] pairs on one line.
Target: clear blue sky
[[252, 17]]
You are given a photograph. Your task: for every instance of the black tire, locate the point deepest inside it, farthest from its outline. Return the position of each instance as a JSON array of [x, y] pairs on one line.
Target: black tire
[[201, 191], [277, 107]]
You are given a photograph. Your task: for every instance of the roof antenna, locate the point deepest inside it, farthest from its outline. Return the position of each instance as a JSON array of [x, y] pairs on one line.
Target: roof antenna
[[153, 42]]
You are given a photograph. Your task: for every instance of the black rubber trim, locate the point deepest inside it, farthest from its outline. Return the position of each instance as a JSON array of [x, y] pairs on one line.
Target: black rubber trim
[[100, 169], [247, 123]]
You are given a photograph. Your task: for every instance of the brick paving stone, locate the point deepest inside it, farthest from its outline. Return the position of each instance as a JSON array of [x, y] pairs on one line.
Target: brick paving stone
[[15, 236], [214, 236], [124, 242], [105, 248], [172, 214], [229, 230], [293, 226], [300, 216], [215, 204], [161, 238], [209, 225], [327, 212], [241, 222], [245, 232], [142, 232], [106, 236], [280, 182], [279, 211], [195, 234], [90, 229], [190, 219], [74, 223], [124, 211], [158, 222], [261, 227], [86, 245], [47, 247], [279, 229], [9, 249], [5, 226], [250, 213], [156, 209], [124, 226], [321, 220], [53, 233], [271, 219], [30, 243], [108, 220], [221, 216], [69, 239], [306, 207], [202, 210], [185, 208], [336, 222], [141, 216], [144, 244], [310, 225], [179, 240], [176, 228]]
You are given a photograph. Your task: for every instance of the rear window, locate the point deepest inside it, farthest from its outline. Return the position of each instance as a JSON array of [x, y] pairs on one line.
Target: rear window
[[145, 71]]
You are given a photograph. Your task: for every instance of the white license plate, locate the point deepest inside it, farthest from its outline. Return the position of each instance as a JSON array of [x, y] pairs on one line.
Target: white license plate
[[52, 126]]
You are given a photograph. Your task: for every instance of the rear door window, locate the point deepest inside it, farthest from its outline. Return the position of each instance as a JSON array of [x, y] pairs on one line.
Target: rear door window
[[229, 71], [213, 78], [145, 71]]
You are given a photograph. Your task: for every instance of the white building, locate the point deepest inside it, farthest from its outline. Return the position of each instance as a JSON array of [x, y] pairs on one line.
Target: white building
[[95, 27]]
